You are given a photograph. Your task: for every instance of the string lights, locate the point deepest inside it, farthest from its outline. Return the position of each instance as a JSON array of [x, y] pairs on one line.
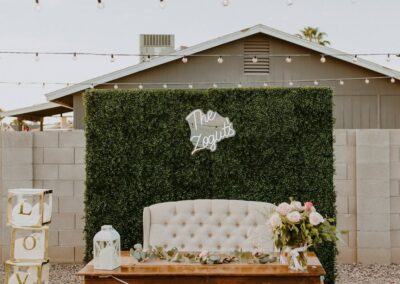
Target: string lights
[[37, 5], [162, 4], [288, 59], [323, 59], [220, 60], [185, 59], [100, 4], [225, 3]]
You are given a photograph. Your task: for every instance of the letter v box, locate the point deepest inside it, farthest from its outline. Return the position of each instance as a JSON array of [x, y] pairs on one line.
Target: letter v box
[[27, 273]]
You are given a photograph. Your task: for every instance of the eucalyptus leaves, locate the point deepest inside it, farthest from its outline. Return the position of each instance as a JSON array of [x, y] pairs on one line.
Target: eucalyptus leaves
[[173, 255]]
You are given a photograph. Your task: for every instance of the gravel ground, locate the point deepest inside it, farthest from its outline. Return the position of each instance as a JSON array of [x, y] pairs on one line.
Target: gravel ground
[[347, 274]]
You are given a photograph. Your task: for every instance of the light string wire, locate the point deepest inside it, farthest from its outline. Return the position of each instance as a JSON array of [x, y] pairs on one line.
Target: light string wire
[[190, 85]]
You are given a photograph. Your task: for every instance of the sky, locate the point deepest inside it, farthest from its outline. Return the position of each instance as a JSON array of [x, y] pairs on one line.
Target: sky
[[354, 26]]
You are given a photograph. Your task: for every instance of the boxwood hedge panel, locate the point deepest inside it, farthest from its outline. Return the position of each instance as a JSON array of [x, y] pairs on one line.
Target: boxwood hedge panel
[[139, 153]]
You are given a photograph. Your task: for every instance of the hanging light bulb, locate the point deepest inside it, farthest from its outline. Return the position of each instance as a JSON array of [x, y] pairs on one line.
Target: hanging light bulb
[[100, 4], [265, 84], [323, 59], [220, 60], [289, 2], [254, 59], [355, 58], [225, 3], [37, 5], [290, 83], [388, 58], [162, 4], [215, 85], [67, 85], [366, 81], [148, 58], [341, 82], [239, 85], [165, 86], [19, 84], [116, 86], [316, 83], [37, 58], [190, 86], [75, 57], [43, 85], [392, 80], [140, 86], [185, 59], [112, 58], [288, 59]]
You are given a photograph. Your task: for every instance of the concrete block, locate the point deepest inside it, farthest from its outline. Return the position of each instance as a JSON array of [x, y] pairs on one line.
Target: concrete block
[[60, 187], [79, 221], [340, 171], [373, 205], [372, 256], [395, 154], [79, 254], [71, 238], [395, 205], [342, 205], [79, 188], [395, 137], [74, 138], [59, 155], [59, 254], [53, 238], [38, 184], [394, 188], [378, 137], [395, 239], [80, 155], [17, 156], [17, 172], [71, 205], [72, 172], [345, 187], [351, 137], [395, 255], [63, 221], [394, 221], [45, 172], [340, 136], [373, 239], [395, 170], [346, 222], [373, 171], [373, 154], [9, 184], [5, 253], [17, 139], [45, 139], [373, 188], [38, 155], [55, 204], [351, 171], [352, 235], [352, 205], [344, 154], [347, 256], [373, 222]]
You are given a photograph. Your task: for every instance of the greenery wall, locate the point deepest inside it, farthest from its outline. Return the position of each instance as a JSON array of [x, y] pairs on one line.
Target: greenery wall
[[139, 153]]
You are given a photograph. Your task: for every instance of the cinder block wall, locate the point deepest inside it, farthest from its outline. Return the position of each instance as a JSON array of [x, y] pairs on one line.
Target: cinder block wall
[[367, 183]]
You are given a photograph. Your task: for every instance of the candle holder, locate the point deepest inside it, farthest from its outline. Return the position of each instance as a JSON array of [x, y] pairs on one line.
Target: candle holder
[[107, 249], [16, 272]]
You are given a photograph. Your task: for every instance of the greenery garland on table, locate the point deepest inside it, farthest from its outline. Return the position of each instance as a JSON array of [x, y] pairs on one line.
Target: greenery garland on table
[[174, 255]]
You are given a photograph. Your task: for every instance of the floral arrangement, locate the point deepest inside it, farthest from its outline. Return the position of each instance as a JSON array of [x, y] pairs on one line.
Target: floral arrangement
[[296, 227], [204, 257]]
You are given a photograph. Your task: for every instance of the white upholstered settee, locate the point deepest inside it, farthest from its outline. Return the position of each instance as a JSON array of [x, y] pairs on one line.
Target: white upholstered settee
[[208, 225]]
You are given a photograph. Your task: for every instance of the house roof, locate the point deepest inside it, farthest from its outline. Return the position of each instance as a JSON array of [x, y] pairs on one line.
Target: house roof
[[220, 41], [36, 112]]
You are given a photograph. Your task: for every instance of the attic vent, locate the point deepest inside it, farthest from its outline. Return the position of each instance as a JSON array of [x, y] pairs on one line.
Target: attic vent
[[260, 48], [157, 40]]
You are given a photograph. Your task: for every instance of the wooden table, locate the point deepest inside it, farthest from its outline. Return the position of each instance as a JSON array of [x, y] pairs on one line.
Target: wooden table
[[164, 272]]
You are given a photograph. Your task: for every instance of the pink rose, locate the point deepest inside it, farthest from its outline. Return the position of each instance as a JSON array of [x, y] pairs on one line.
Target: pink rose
[[275, 220], [294, 217], [284, 208], [308, 205], [316, 218], [203, 254]]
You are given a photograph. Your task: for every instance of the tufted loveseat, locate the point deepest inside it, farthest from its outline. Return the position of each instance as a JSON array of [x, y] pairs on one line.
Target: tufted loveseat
[[211, 225]]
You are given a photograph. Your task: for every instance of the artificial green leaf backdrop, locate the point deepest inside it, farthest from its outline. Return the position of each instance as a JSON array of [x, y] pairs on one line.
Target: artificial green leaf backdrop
[[139, 153]]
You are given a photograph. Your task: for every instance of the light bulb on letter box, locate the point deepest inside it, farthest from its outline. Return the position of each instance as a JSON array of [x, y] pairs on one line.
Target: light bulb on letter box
[[27, 273], [29, 244], [29, 207], [107, 249]]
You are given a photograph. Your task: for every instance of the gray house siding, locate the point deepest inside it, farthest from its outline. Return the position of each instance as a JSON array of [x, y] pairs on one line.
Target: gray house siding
[[356, 104]]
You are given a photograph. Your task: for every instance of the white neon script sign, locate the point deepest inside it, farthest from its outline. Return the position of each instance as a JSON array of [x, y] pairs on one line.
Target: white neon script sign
[[207, 129]]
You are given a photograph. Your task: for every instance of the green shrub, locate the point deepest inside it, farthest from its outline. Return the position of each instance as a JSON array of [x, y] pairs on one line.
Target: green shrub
[[139, 153]]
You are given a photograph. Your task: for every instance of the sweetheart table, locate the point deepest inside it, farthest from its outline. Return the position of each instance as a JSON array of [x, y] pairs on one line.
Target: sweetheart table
[[186, 273]]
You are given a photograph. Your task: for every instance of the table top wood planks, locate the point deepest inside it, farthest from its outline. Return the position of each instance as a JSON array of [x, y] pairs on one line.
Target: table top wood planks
[[164, 272]]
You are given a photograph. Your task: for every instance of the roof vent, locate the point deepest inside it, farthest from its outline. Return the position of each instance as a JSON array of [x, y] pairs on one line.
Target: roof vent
[[256, 56], [154, 45]]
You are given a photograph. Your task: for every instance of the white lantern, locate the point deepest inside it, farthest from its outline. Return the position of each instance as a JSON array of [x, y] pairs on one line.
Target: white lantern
[[29, 244], [29, 207], [27, 273], [107, 249]]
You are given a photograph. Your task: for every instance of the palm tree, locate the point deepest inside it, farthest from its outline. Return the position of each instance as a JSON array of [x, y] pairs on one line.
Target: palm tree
[[314, 35]]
